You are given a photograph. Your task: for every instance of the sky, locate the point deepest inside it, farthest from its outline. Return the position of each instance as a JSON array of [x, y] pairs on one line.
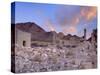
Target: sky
[[69, 19]]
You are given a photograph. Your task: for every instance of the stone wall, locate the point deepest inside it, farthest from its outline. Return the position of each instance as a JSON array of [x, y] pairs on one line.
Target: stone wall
[[21, 36], [52, 58]]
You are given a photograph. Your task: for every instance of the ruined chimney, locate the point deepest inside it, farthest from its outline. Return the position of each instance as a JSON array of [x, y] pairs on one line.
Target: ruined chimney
[[84, 34]]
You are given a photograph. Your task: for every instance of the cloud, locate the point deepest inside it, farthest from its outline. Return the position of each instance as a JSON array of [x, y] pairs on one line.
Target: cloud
[[75, 20], [88, 13], [61, 17], [50, 25], [69, 21], [67, 16], [70, 29]]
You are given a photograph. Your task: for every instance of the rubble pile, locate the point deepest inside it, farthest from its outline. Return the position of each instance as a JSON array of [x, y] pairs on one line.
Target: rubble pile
[[52, 58]]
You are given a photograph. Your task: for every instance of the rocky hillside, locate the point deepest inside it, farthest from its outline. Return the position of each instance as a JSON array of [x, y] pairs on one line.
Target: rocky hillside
[[34, 29], [30, 27]]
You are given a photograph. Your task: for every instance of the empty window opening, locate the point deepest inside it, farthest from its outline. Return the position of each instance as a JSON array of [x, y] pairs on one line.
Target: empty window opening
[[24, 43]]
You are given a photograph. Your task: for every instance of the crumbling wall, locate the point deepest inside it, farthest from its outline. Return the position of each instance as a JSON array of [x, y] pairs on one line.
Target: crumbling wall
[[21, 36], [52, 58]]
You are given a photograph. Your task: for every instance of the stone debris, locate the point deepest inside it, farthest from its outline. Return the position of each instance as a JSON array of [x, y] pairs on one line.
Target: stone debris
[[51, 58]]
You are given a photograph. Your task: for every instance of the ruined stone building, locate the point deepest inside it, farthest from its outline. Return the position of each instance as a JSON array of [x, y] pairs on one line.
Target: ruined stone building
[[31, 35], [22, 39], [52, 51]]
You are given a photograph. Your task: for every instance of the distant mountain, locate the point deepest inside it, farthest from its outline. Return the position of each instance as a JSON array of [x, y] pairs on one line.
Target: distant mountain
[[37, 32], [30, 27]]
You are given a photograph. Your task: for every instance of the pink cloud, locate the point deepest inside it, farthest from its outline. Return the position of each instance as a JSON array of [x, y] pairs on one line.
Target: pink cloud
[[75, 20], [70, 29], [70, 25], [88, 13]]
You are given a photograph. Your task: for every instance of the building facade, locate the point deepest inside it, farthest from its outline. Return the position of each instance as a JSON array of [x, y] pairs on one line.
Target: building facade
[[22, 39]]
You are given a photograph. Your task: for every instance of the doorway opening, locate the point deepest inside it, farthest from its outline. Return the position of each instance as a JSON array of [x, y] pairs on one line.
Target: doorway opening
[[24, 43]]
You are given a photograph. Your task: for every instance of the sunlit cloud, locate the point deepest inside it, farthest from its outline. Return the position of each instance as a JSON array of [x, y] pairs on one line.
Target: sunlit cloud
[[75, 20], [88, 13], [50, 25], [70, 29], [69, 19], [69, 25]]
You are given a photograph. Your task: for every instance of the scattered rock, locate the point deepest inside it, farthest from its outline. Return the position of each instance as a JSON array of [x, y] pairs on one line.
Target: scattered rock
[[41, 59]]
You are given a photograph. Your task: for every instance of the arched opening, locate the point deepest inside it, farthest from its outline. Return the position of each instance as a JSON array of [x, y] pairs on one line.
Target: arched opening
[[24, 43]]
